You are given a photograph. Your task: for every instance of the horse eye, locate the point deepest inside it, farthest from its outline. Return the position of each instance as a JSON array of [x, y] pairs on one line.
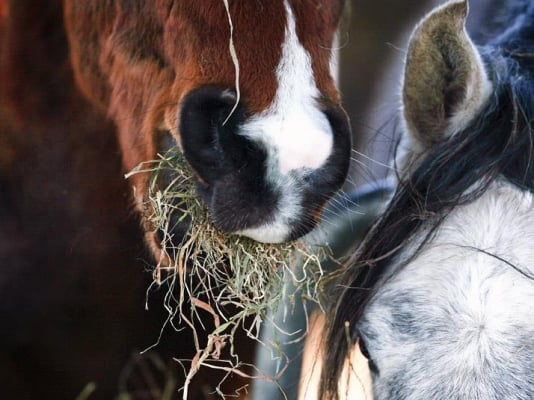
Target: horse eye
[[365, 353]]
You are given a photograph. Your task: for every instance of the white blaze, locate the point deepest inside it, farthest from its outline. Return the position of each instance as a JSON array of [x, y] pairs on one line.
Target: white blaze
[[294, 130]]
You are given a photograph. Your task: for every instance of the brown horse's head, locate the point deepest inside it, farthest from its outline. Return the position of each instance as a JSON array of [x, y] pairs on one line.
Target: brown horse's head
[[164, 72]]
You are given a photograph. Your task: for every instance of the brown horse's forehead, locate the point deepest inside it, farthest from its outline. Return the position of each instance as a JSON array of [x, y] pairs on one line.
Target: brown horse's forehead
[[198, 33]]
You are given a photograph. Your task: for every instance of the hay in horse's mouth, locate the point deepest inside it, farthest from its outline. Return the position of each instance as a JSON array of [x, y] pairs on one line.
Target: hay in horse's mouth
[[230, 280]]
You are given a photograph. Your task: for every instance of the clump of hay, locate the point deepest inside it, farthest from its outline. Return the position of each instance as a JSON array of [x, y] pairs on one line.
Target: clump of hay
[[232, 280]]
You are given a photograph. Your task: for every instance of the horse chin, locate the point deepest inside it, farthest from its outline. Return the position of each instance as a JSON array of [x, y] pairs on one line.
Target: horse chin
[[276, 233], [261, 210], [267, 234]]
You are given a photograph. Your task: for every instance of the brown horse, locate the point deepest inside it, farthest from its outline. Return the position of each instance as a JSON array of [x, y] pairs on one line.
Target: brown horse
[[71, 305], [263, 130]]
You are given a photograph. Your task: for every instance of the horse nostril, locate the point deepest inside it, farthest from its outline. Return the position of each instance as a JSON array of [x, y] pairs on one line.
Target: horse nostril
[[229, 166], [209, 128], [202, 131]]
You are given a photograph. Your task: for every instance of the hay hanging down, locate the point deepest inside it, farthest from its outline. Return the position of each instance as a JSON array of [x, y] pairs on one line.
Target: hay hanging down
[[229, 280]]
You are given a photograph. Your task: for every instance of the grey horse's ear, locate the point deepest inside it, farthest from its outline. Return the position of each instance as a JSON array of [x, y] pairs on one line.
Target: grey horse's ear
[[445, 83]]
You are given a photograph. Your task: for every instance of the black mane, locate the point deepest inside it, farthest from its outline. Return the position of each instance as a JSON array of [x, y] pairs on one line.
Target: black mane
[[499, 143]]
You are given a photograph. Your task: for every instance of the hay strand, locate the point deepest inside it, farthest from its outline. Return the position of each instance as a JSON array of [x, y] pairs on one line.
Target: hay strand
[[218, 283], [235, 60]]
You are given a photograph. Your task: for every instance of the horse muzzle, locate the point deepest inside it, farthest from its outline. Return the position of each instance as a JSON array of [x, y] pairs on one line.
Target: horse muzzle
[[238, 177]]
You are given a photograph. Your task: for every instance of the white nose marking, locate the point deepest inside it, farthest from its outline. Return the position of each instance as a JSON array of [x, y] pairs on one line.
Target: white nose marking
[[294, 129], [304, 139]]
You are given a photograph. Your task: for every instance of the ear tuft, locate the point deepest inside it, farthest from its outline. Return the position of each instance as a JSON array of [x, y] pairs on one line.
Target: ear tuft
[[445, 83]]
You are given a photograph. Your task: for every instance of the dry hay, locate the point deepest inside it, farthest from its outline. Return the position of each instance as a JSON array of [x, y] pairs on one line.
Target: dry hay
[[228, 280]]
